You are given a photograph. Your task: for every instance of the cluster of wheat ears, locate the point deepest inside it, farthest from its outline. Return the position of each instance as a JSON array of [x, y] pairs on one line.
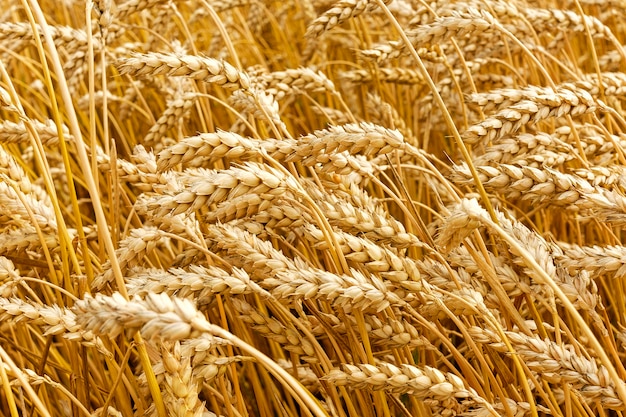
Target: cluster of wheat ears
[[312, 208]]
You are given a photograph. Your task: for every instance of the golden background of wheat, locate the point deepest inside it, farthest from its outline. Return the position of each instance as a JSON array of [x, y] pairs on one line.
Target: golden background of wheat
[[312, 208]]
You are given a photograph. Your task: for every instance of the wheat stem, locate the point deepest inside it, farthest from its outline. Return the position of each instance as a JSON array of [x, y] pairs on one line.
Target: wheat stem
[[24, 384], [442, 106], [302, 395], [530, 261], [93, 191]]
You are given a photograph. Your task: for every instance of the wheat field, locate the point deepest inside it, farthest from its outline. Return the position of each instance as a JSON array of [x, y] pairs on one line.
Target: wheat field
[[349, 208]]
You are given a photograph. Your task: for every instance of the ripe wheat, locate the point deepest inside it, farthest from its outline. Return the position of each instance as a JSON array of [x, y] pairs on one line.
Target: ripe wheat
[[319, 208]]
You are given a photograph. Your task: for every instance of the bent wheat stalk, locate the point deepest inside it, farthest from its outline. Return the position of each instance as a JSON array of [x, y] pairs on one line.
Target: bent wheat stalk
[[480, 215]]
